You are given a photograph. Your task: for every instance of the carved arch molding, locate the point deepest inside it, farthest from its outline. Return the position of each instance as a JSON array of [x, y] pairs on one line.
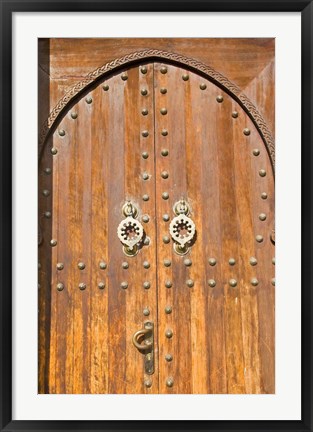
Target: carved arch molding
[[173, 58]]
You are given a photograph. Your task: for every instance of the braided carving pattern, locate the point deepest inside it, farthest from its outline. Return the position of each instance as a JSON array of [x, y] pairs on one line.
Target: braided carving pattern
[[197, 66]]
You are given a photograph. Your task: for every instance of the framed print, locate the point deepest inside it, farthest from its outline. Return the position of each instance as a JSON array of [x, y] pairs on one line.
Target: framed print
[[136, 349], [150, 158]]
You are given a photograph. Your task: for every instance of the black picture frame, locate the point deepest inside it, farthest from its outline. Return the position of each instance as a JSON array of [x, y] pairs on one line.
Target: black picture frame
[[7, 8]]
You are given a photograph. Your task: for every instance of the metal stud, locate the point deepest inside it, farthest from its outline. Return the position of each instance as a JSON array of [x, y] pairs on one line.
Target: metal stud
[[190, 283], [145, 155], [146, 311], [46, 192], [163, 90], [146, 264], [53, 242], [259, 238], [234, 114], [273, 281], [164, 132], [167, 263], [145, 176], [54, 150], [47, 214], [143, 69], [187, 262], [144, 112], [164, 152], [61, 132], [39, 266], [219, 98], [74, 115], [168, 357], [262, 173], [254, 282], [101, 285], [185, 77], [256, 152], [165, 195], [232, 261], [47, 171], [146, 241], [262, 216], [253, 261], [124, 285], [145, 133], [168, 309], [88, 99], [81, 265], [232, 282], [145, 197], [125, 265], [124, 76], [202, 86], [169, 333], [60, 266], [169, 382], [166, 239], [164, 174], [264, 195], [273, 261], [105, 87], [163, 111], [82, 286], [146, 285], [148, 383], [166, 217], [211, 283], [144, 92], [168, 284], [60, 286], [145, 218], [246, 131], [103, 265], [163, 70], [212, 261]]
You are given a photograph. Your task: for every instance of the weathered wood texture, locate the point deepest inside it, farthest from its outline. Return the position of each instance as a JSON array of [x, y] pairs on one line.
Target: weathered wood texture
[[98, 166], [248, 62], [223, 336]]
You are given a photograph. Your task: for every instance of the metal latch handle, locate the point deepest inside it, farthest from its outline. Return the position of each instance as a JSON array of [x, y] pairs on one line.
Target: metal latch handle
[[138, 335], [147, 346]]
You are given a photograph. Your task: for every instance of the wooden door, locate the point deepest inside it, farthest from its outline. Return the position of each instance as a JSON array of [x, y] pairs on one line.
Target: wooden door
[[152, 134], [222, 294]]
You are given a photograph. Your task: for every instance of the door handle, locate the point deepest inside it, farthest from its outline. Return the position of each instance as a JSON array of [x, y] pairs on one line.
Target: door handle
[[182, 228], [141, 335], [143, 340], [130, 230]]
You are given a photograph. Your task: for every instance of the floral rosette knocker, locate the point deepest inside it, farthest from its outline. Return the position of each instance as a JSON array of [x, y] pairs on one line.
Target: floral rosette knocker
[[130, 230], [182, 228]]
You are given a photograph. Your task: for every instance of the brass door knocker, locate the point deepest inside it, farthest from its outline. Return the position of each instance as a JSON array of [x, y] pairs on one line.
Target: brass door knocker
[[130, 230], [182, 228]]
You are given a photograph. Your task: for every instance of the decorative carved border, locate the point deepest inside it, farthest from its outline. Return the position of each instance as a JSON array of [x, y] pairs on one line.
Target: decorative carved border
[[178, 59]]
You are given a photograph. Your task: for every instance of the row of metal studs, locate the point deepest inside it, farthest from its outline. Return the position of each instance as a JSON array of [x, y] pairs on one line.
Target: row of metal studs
[[168, 284]]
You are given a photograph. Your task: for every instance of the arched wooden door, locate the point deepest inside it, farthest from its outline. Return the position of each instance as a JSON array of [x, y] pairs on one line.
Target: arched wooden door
[[173, 144]]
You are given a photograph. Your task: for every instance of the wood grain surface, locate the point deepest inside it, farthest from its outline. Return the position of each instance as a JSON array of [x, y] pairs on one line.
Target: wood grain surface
[[248, 62], [223, 336]]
